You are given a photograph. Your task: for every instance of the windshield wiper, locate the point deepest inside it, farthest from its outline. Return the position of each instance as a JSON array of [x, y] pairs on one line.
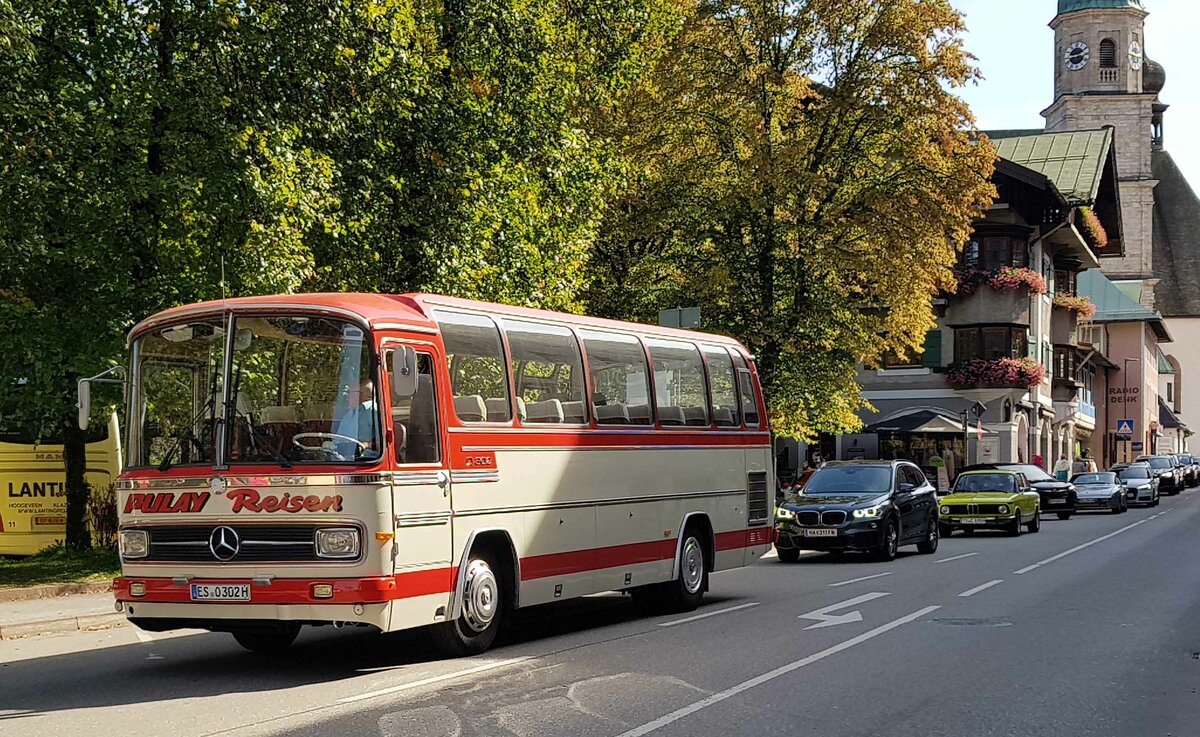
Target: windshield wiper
[[188, 436]]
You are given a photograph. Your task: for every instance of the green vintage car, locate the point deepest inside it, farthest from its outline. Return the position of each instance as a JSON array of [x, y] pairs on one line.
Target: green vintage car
[[989, 499]]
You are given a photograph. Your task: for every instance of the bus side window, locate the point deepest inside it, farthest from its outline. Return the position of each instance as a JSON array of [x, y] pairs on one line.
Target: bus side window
[[478, 374], [679, 387], [548, 372], [746, 390], [414, 419], [620, 378], [722, 385]]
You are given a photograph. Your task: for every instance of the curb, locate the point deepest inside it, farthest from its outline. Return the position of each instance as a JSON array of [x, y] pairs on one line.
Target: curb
[[59, 626], [51, 590]]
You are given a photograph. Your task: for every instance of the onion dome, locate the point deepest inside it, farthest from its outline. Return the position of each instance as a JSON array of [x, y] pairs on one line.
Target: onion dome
[[1153, 77]]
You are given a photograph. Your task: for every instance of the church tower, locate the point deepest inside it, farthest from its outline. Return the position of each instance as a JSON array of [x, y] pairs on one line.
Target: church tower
[[1099, 67]]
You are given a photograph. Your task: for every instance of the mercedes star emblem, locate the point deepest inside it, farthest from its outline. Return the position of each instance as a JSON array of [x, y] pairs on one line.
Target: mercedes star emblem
[[224, 543]]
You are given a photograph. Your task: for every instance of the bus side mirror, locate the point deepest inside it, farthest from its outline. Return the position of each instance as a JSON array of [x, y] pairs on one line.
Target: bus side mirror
[[404, 372], [85, 403]]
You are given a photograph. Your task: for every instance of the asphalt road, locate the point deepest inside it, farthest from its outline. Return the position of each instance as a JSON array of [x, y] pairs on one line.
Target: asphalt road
[[1090, 627]]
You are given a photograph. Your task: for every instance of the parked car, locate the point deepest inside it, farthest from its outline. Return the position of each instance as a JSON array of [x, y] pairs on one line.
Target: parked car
[[870, 506], [1057, 496], [1191, 475], [1170, 478], [1102, 491], [990, 499], [1141, 482]]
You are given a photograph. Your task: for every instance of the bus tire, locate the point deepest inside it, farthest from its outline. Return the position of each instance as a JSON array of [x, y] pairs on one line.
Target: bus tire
[[267, 641], [484, 602], [687, 590]]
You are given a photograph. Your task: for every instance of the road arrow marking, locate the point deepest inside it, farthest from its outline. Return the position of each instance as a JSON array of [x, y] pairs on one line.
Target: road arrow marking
[[825, 619]]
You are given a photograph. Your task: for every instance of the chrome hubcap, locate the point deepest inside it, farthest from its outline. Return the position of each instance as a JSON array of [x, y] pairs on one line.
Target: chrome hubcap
[[693, 565], [481, 596]]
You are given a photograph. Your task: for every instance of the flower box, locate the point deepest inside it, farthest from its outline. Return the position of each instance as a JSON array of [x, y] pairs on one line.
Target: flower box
[[1022, 373]]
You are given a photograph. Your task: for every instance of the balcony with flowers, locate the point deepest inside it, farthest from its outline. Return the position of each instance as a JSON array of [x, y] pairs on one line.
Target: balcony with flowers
[[994, 283], [997, 373], [1069, 309]]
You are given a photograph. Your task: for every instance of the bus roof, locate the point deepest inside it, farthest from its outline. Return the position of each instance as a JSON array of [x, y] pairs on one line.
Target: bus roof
[[412, 311]]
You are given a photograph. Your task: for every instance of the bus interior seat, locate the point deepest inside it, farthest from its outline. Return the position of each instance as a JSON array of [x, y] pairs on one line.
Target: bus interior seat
[[612, 414], [671, 416], [695, 416], [550, 410], [470, 408], [574, 413], [420, 435], [724, 416], [639, 414], [497, 409], [281, 421], [318, 417]]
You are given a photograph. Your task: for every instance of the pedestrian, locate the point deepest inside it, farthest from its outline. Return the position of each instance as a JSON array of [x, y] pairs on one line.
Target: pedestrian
[[1062, 468], [1039, 461], [1079, 466], [1091, 462]]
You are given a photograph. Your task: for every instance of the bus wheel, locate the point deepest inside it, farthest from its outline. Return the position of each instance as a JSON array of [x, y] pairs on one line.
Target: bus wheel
[[685, 592], [482, 604], [267, 640]]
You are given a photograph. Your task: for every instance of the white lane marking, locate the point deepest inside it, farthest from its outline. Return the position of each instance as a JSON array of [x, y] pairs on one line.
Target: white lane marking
[[982, 587], [825, 619], [856, 580], [436, 679], [708, 614], [1077, 548], [957, 557], [720, 696]]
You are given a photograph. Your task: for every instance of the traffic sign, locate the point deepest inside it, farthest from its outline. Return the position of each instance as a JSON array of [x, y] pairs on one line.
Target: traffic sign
[[1125, 429]]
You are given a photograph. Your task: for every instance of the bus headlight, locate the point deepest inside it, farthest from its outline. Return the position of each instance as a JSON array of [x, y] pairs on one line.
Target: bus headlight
[[134, 544], [338, 542]]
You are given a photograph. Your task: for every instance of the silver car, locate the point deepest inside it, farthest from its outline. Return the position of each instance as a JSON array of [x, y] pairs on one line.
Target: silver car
[[1140, 481], [1101, 491]]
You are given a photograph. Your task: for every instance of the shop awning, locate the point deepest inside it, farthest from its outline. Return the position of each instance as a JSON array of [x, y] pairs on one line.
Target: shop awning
[[920, 421]]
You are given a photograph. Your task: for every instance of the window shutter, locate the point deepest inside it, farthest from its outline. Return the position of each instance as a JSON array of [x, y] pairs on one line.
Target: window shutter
[[932, 357]]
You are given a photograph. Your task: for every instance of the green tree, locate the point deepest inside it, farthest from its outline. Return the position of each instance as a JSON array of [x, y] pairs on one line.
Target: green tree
[[804, 172], [165, 152]]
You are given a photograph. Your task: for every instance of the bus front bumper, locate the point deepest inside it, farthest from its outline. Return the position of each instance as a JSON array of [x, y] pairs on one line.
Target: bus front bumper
[[168, 604]]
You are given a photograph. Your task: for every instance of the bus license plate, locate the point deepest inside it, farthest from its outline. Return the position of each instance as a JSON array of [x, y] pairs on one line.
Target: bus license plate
[[820, 533], [220, 592]]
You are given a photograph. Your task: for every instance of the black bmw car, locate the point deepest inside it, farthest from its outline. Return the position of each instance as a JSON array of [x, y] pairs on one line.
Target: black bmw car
[[1057, 496], [870, 506]]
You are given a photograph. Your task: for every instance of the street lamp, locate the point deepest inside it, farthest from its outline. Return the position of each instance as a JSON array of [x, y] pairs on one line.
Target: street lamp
[[1125, 393]]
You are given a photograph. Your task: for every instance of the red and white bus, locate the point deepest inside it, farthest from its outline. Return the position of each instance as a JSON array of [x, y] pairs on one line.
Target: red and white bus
[[399, 461]]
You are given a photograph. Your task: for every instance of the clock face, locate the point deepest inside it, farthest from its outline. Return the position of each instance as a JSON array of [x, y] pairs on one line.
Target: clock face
[[1135, 56], [1077, 56]]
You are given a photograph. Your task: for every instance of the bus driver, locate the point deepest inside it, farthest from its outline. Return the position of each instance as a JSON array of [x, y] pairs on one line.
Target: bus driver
[[359, 422]]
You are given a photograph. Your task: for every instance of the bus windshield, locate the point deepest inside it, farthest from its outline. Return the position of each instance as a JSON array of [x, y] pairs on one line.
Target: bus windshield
[[297, 388]]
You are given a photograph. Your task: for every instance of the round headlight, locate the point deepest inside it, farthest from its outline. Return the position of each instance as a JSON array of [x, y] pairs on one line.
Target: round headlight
[[945, 510], [1003, 509]]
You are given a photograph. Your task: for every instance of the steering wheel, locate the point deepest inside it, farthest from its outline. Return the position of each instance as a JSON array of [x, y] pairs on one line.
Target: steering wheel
[[331, 437]]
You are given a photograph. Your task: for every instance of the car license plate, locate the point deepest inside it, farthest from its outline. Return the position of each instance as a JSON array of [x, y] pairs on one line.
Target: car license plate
[[820, 533], [972, 522], [220, 592], [1056, 501]]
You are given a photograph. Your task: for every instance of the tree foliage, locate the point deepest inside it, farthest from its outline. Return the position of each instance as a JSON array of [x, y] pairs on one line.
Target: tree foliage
[[163, 152], [804, 172]]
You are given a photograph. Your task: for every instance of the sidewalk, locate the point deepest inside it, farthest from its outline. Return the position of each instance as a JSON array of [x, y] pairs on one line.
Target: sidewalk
[[53, 615]]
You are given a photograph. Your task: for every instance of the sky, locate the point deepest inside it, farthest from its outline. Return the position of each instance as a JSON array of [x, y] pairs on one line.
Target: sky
[[1015, 48]]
